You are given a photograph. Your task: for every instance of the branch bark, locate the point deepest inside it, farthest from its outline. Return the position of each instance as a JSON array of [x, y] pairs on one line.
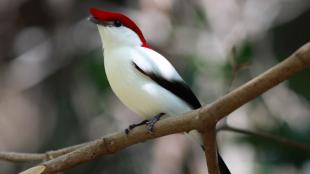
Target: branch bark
[[23, 157], [197, 119], [211, 150]]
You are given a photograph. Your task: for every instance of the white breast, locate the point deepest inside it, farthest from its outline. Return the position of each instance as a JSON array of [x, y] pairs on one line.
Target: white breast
[[135, 90]]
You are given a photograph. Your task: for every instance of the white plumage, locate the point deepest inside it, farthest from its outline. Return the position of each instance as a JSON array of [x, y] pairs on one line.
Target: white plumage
[[137, 91]]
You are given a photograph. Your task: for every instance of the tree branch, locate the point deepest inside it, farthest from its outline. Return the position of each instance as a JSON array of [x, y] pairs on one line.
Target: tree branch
[[211, 150], [23, 157], [197, 119], [270, 137]]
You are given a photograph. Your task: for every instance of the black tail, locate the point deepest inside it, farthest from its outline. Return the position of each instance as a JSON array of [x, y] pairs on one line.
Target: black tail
[[223, 168]]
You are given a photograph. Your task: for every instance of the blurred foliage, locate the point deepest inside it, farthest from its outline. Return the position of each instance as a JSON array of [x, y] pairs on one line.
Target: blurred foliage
[[269, 152], [92, 66], [239, 59], [74, 92]]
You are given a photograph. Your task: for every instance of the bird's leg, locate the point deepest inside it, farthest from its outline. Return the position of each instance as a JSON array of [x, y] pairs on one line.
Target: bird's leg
[[132, 126], [151, 122]]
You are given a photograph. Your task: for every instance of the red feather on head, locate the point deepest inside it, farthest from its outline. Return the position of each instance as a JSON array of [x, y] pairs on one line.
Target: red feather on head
[[105, 16]]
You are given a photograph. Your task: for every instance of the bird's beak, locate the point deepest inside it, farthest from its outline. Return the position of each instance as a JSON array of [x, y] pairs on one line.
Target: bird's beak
[[98, 22], [93, 19]]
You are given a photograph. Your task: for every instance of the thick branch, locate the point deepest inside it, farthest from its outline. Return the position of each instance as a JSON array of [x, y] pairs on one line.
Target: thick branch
[[269, 137], [197, 119]]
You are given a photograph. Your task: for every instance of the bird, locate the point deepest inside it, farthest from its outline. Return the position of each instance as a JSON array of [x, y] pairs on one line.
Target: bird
[[144, 80]]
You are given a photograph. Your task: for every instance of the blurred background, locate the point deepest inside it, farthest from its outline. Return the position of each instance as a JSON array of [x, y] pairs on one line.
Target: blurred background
[[54, 93]]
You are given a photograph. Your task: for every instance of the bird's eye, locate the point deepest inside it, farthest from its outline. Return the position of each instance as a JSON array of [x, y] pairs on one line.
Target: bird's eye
[[117, 23]]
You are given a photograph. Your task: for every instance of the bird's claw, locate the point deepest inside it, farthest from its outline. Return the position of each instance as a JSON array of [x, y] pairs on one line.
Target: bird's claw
[[127, 131], [133, 126], [151, 123]]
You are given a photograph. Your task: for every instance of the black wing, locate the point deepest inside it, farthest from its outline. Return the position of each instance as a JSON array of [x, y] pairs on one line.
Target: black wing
[[178, 88]]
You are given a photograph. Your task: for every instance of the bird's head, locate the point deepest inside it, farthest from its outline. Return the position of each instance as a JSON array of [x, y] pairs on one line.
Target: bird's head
[[117, 29]]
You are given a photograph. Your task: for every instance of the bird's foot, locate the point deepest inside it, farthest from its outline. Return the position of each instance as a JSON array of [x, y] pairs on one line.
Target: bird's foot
[[134, 125], [150, 123]]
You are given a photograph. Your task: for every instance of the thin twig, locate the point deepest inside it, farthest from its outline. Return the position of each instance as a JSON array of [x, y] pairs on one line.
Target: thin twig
[[23, 157], [233, 64], [197, 119], [270, 137]]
